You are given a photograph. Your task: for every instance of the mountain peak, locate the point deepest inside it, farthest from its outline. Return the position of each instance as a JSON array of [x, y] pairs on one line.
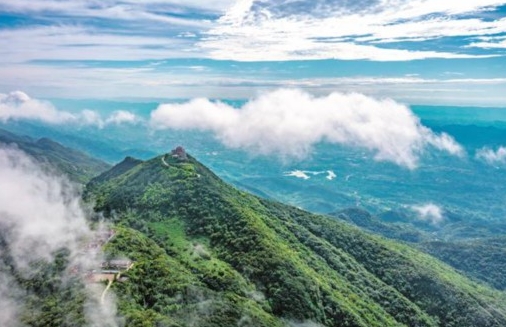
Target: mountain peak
[[117, 170], [179, 153]]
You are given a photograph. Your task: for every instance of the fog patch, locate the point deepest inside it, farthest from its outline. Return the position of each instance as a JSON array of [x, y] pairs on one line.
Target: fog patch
[[41, 215], [492, 157], [18, 105], [429, 212], [330, 175], [9, 297], [307, 323], [200, 251], [297, 173], [256, 296]]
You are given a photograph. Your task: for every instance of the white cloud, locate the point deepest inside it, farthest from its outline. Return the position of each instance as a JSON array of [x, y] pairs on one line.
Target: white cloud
[[119, 10], [89, 8], [297, 173], [304, 174], [121, 117], [57, 221], [18, 105], [288, 48], [9, 295], [64, 42], [258, 31], [288, 122], [306, 323], [429, 212], [90, 117], [489, 45], [39, 214], [248, 30], [118, 117], [492, 157]]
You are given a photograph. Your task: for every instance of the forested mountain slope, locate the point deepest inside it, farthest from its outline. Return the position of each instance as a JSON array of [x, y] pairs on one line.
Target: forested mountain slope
[[483, 259], [77, 165], [208, 254], [480, 258]]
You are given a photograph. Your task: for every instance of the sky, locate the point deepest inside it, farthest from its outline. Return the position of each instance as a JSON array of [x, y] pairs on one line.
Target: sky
[[414, 51]]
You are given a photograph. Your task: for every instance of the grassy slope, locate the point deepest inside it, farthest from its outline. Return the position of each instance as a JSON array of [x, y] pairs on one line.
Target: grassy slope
[[248, 258]]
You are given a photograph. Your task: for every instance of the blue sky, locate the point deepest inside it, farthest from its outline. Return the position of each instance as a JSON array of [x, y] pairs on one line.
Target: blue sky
[[417, 51]]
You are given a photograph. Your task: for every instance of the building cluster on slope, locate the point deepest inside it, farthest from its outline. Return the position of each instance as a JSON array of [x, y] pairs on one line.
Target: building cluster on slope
[[100, 239], [116, 265], [109, 270], [179, 153]]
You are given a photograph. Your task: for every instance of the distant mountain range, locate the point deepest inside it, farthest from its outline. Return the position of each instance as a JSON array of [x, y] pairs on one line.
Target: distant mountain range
[[77, 165]]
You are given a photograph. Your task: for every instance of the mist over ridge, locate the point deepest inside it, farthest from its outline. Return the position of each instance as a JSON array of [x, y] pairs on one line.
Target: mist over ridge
[[42, 223]]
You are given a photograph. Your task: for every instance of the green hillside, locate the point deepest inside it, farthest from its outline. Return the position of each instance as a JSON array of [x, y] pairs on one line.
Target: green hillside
[[483, 259], [77, 165], [374, 224], [208, 254], [478, 258]]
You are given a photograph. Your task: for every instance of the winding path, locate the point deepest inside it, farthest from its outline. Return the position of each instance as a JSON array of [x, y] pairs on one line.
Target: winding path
[[102, 298], [164, 162], [117, 277]]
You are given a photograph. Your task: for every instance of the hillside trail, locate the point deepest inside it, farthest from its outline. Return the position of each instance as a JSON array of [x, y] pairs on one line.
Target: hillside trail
[[102, 297], [164, 162]]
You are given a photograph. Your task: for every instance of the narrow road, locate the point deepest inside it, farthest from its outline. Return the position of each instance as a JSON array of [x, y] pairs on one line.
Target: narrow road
[[164, 162], [102, 298]]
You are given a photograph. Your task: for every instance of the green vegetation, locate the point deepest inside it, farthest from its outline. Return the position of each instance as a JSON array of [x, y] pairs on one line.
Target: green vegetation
[[392, 230], [483, 259], [180, 290], [208, 254], [77, 165], [47, 297]]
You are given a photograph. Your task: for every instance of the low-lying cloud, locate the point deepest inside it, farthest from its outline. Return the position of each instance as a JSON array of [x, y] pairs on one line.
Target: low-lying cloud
[[491, 156], [330, 175], [289, 122], [40, 213], [307, 323], [18, 105], [297, 173], [429, 212], [304, 174], [122, 117]]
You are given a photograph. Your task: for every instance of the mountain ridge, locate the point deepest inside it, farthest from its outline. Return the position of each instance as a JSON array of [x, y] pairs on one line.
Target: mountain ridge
[[77, 165]]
